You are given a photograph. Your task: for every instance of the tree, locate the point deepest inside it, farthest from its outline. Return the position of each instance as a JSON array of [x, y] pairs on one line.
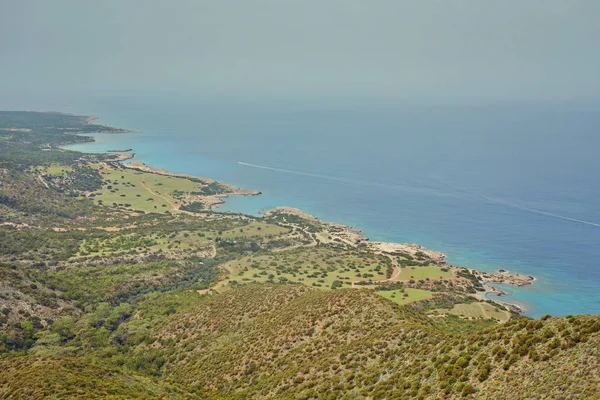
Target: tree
[[65, 327]]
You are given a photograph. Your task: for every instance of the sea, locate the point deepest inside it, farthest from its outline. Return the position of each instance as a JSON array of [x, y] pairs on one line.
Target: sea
[[514, 187]]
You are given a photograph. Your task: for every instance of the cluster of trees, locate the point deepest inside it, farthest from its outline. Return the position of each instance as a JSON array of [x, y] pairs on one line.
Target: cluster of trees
[[38, 245], [211, 189], [80, 178], [195, 206]]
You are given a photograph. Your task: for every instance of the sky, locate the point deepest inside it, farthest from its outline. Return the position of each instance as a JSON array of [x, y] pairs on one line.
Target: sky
[[529, 51]]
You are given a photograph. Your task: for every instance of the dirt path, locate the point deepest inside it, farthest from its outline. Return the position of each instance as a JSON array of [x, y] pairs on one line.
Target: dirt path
[[173, 205], [312, 243], [18, 226], [395, 275], [488, 316], [43, 181], [168, 200], [396, 270], [218, 285], [485, 314]]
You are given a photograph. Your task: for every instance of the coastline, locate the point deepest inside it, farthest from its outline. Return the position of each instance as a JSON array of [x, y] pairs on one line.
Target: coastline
[[518, 308], [343, 233], [107, 129], [355, 237], [211, 201]]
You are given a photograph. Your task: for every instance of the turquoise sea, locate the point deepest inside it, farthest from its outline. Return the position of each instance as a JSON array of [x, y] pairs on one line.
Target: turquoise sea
[[512, 187]]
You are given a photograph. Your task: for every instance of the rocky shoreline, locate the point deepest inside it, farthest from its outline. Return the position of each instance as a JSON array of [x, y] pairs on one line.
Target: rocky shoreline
[[492, 290], [355, 237], [505, 277]]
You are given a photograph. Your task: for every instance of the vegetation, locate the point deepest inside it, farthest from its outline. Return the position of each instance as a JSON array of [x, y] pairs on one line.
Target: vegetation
[[405, 296], [480, 310], [431, 272], [316, 267], [102, 295]]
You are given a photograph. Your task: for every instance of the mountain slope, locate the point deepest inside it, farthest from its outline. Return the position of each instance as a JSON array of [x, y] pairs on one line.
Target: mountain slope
[[291, 341], [288, 341]]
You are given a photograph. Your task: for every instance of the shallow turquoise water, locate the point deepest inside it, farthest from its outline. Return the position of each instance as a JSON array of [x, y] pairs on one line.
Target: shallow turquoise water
[[514, 187]]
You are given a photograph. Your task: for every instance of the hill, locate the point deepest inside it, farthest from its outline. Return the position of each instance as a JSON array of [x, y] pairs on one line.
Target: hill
[[291, 341]]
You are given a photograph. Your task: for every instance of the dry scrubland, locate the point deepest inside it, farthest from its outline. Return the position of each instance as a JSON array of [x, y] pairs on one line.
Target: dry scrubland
[[102, 295], [292, 341]]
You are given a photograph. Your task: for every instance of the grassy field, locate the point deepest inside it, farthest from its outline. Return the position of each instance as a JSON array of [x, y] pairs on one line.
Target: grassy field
[[405, 296], [142, 191], [57, 169], [431, 272], [480, 310], [318, 267], [53, 170], [185, 240], [254, 229], [152, 243]]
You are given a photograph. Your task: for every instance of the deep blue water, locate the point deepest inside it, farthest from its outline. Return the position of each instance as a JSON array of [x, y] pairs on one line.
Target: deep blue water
[[492, 187]]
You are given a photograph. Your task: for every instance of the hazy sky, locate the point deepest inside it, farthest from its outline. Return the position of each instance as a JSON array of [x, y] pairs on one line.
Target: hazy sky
[[505, 50]]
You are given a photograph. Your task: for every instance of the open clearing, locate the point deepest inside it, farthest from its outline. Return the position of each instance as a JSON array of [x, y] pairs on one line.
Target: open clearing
[[142, 191], [431, 272], [480, 310], [55, 169], [318, 267], [185, 240], [405, 295]]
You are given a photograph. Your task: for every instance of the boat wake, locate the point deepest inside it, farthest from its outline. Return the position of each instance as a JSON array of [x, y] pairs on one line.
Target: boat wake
[[520, 207], [410, 186], [288, 171], [413, 186], [540, 212]]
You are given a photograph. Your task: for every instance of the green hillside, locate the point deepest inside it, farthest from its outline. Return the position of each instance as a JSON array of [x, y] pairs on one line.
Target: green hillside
[[291, 341]]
